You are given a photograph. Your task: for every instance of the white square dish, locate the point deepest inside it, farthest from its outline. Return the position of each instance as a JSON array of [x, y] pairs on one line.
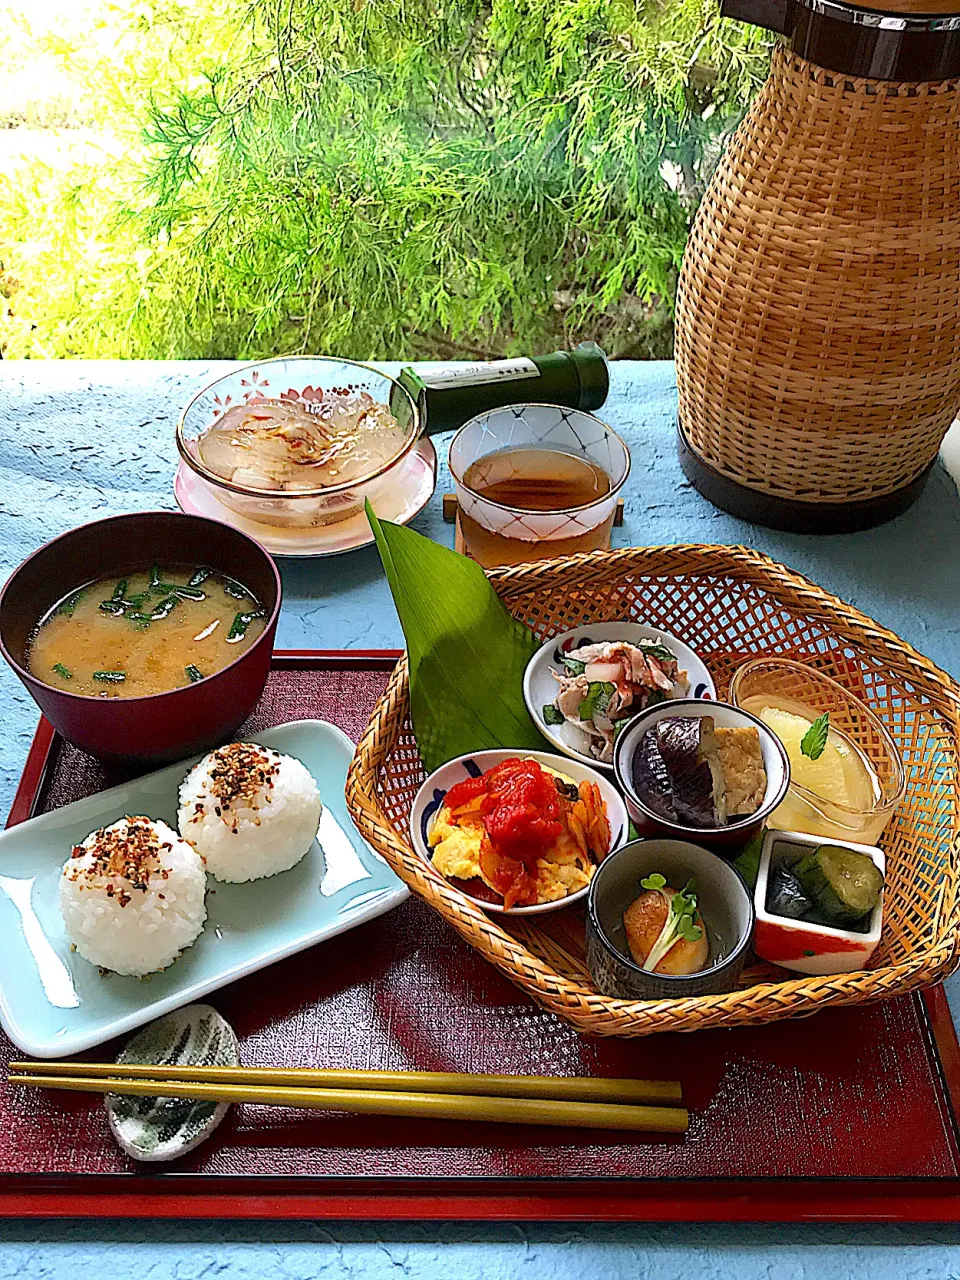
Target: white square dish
[[798, 944]]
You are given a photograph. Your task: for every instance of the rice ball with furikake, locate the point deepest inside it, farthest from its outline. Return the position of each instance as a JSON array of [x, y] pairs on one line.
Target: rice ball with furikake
[[132, 896], [248, 811]]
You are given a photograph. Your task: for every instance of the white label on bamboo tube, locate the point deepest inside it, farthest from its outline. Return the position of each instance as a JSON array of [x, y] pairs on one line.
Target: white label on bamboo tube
[[479, 374]]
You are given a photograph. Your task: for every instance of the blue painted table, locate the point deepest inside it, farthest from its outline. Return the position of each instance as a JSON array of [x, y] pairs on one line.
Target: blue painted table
[[82, 440]]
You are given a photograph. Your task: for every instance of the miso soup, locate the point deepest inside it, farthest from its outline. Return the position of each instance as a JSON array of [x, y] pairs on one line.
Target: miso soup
[[149, 632]]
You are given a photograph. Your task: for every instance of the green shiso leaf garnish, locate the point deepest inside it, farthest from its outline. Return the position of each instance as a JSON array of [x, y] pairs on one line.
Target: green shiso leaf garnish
[[552, 714], [656, 650], [110, 677], [815, 739], [748, 862], [193, 673], [574, 666], [61, 670], [680, 921], [599, 693], [466, 653]]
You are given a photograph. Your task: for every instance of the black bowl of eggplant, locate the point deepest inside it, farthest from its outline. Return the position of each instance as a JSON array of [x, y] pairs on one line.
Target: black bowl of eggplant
[[702, 771]]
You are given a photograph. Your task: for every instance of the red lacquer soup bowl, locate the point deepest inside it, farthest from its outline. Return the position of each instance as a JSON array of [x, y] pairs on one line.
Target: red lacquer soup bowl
[[162, 726]]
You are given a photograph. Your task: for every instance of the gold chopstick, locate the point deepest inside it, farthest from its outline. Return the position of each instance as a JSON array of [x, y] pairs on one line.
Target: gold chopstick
[[430, 1106], [564, 1088]]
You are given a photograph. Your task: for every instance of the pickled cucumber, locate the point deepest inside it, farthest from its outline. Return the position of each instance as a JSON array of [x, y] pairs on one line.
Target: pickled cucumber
[[844, 885]]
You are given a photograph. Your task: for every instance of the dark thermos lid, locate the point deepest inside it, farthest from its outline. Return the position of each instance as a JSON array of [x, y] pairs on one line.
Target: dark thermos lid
[[912, 40]]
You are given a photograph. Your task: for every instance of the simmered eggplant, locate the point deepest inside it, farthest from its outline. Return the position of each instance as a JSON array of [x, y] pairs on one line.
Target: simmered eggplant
[[650, 777], [688, 747], [690, 772]]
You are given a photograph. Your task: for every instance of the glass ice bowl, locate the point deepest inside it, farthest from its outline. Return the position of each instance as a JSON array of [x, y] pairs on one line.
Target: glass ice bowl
[[299, 380], [868, 753]]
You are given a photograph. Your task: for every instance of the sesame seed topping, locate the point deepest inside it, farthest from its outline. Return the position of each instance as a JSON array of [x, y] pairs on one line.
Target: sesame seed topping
[[238, 776], [131, 854]]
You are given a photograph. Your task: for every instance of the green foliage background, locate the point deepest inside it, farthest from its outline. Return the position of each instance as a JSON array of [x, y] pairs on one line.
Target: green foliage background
[[375, 177]]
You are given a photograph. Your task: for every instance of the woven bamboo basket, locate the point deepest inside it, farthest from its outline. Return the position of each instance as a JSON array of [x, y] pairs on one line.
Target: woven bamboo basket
[[818, 312], [729, 604]]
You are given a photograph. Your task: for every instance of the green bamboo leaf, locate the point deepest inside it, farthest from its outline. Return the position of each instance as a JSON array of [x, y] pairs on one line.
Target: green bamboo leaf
[[466, 653]]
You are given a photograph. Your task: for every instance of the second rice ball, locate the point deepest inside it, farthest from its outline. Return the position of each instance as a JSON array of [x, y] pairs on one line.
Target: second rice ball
[[249, 812]]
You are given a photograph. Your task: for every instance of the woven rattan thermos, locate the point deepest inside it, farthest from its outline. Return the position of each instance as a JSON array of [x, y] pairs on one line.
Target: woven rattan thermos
[[818, 318]]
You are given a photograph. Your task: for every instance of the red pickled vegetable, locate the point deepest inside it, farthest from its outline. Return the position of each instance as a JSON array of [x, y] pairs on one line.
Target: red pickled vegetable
[[463, 792], [521, 810]]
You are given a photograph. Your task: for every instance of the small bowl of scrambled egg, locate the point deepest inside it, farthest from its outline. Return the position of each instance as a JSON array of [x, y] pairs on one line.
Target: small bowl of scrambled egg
[[520, 833]]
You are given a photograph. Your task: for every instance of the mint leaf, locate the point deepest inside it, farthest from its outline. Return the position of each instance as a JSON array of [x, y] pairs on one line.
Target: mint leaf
[[552, 714], [815, 739]]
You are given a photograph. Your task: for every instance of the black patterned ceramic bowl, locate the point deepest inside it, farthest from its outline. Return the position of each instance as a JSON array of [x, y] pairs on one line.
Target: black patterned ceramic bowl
[[723, 900], [728, 839]]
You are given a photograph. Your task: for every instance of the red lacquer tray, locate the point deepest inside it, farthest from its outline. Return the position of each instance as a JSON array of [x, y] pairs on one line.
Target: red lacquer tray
[[848, 1115]]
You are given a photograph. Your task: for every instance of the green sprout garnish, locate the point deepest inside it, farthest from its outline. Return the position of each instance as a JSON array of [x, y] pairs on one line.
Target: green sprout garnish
[[67, 606], [815, 739], [185, 593], [238, 628], [681, 921]]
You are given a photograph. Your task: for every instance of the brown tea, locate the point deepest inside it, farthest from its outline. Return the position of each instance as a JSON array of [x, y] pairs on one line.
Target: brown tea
[[535, 480]]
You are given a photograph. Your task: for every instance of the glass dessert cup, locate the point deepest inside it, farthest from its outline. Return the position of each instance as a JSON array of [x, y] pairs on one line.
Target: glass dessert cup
[[496, 532], [851, 792], [298, 381]]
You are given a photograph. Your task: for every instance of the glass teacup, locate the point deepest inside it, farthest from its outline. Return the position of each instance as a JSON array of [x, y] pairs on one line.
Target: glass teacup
[[535, 481]]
